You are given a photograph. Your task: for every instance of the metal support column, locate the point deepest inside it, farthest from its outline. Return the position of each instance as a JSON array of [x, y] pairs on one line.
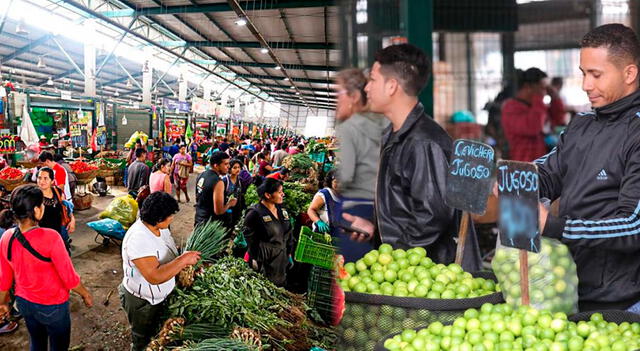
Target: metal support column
[[507, 46], [90, 64], [147, 81], [417, 23], [66, 54], [471, 98]]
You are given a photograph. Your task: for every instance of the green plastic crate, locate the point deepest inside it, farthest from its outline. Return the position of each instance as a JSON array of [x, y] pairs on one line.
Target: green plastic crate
[[319, 293], [318, 156], [315, 248]]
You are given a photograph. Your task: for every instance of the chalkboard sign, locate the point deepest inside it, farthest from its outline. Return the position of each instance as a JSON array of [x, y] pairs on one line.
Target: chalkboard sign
[[469, 180], [518, 186]]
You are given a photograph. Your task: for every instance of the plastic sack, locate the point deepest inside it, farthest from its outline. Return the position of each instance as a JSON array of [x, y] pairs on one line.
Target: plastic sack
[[108, 227], [123, 209], [135, 136], [553, 280]]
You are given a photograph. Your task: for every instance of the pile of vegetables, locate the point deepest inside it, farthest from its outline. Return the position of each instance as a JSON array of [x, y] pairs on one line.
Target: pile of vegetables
[[11, 173], [316, 147], [299, 165], [230, 301], [110, 164], [79, 167], [296, 200]]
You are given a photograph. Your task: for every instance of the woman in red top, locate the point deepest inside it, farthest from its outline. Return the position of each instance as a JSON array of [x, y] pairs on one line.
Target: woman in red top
[[524, 116], [36, 260]]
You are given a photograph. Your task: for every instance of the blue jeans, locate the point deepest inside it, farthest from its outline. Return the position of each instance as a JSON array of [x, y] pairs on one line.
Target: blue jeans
[[635, 308], [47, 324], [349, 249]]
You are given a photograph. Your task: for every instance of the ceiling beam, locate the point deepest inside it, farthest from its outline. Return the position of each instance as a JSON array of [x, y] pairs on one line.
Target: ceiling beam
[[246, 44], [286, 87], [301, 80], [219, 7], [26, 48], [298, 103], [292, 93], [269, 65]]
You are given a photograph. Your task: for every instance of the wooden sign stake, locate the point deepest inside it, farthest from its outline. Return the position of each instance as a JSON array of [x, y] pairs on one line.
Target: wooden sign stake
[[524, 277], [462, 236]]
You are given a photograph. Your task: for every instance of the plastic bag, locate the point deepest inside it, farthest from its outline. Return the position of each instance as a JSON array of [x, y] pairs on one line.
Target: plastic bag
[[123, 209], [553, 280], [135, 136], [108, 227]]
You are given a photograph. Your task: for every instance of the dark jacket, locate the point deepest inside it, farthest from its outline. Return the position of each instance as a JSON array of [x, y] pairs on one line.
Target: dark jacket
[[410, 207], [269, 241], [595, 169]]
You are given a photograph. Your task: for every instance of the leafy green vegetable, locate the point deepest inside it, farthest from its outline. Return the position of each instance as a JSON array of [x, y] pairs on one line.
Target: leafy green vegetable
[[296, 200], [210, 238], [217, 344]]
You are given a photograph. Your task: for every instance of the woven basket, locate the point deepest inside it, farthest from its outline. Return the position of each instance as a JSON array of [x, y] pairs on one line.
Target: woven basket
[[11, 184], [86, 177], [106, 173]]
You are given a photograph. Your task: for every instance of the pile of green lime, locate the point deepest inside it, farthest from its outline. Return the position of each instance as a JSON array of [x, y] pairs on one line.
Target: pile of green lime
[[553, 281], [411, 273], [501, 328]]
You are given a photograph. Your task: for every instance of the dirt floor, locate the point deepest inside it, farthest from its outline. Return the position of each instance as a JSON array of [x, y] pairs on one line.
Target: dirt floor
[[104, 326]]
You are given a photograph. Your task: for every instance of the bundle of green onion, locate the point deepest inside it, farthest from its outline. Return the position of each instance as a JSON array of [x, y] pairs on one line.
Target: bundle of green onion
[[217, 344], [209, 238]]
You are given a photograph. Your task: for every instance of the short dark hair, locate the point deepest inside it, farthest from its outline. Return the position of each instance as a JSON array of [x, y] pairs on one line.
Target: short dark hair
[[532, 75], [329, 178], [269, 186], [23, 201], [6, 219], [157, 207], [140, 152], [217, 158], [620, 41], [408, 64], [48, 171], [234, 162], [45, 156], [284, 171], [555, 81], [58, 157], [261, 156]]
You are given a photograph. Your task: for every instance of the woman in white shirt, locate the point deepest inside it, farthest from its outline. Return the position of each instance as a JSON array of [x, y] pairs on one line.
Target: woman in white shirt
[[150, 263]]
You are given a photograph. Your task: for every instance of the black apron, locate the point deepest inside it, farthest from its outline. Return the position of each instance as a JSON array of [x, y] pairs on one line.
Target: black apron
[[272, 256]]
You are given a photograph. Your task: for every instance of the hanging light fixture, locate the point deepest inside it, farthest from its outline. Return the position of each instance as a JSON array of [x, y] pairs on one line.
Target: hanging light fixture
[[129, 85], [50, 81], [117, 93], [286, 79], [241, 21], [145, 67], [41, 63], [181, 78], [20, 29], [264, 50], [124, 120], [278, 68]]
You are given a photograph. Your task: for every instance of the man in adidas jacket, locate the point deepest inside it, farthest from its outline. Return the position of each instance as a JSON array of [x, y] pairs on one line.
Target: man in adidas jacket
[[595, 169]]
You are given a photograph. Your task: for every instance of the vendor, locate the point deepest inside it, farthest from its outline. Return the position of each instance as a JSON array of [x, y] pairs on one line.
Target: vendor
[[596, 169], [150, 262], [43, 142], [267, 230]]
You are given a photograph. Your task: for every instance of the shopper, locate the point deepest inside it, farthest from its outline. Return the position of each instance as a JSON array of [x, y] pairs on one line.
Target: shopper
[[267, 230], [325, 206], [180, 167], [557, 110], [150, 262], [282, 174], [263, 165], [359, 134], [524, 117], [233, 189], [61, 178], [410, 207], [210, 197], [279, 155], [35, 263], [57, 212], [138, 172], [596, 170], [160, 179], [71, 175]]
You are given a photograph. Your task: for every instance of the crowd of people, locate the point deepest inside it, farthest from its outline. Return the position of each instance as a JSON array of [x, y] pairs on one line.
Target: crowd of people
[[388, 187]]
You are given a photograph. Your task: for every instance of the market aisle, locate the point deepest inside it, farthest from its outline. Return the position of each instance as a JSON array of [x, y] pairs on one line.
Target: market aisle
[[101, 327]]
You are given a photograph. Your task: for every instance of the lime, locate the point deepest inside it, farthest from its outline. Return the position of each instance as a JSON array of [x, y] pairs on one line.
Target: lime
[[360, 265], [384, 259], [350, 268]]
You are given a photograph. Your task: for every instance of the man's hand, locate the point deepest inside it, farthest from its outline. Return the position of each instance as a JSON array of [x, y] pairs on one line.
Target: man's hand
[[4, 310], [88, 300], [362, 225]]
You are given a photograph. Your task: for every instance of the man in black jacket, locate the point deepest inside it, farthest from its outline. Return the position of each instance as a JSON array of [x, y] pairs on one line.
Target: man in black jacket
[[596, 170], [409, 206]]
